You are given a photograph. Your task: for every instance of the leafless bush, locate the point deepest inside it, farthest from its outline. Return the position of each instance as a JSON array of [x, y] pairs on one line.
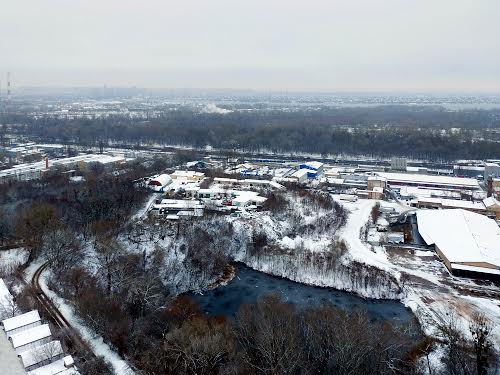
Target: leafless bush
[[375, 212], [276, 202]]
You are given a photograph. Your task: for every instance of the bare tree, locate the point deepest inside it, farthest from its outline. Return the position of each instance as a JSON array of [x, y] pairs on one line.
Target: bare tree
[[61, 248], [480, 328], [8, 308], [48, 353], [269, 334], [457, 359]]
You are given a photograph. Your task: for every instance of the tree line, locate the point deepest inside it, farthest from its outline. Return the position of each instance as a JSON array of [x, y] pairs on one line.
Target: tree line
[[420, 132]]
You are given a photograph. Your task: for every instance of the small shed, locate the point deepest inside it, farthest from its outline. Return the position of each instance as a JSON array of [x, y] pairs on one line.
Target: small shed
[[31, 338]]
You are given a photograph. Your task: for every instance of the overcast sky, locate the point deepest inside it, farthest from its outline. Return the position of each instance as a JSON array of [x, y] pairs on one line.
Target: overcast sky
[[258, 44]]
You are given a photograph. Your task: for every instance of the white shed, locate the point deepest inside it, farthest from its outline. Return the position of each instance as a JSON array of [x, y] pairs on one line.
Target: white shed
[[21, 322], [159, 182], [30, 338], [41, 355]]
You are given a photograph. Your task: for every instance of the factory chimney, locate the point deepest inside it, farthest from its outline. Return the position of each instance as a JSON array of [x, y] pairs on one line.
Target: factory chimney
[[489, 186]]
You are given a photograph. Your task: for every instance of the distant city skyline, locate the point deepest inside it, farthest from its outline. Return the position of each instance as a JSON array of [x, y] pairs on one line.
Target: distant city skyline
[[300, 46]]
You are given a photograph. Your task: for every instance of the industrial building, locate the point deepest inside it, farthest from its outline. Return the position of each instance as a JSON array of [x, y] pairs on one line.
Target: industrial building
[[443, 203], [468, 243], [33, 171], [30, 338], [398, 164], [160, 182], [177, 208], [41, 356], [429, 181], [492, 207], [249, 183], [21, 322], [299, 176], [491, 169], [314, 168], [185, 177]]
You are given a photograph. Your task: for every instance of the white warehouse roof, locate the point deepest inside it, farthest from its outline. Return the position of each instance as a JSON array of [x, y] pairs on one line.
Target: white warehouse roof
[[41, 353], [21, 320], [462, 236], [161, 180], [30, 335], [313, 164], [466, 183], [300, 173], [62, 366]]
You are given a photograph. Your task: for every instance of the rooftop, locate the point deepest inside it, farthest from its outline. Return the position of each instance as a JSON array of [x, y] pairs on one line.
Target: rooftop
[[455, 203], [30, 335], [56, 367], [313, 164], [462, 236], [41, 353], [21, 320], [469, 183]]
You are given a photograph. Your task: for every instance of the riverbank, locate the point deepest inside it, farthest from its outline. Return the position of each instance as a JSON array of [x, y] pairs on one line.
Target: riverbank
[[248, 285]]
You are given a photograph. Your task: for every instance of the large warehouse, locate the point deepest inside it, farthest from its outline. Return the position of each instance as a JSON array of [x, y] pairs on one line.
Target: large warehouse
[[429, 181], [467, 242]]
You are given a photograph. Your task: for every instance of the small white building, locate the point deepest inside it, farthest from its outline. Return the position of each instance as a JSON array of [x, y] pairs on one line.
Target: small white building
[[299, 176], [187, 176], [63, 366], [178, 207], [41, 355], [348, 197], [30, 338], [21, 322], [159, 182], [248, 200]]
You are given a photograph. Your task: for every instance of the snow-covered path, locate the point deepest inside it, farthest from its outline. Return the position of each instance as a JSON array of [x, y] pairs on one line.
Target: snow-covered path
[[350, 233], [99, 347]]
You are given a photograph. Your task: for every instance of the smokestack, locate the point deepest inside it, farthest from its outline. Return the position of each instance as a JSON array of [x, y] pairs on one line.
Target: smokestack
[[489, 185], [46, 163]]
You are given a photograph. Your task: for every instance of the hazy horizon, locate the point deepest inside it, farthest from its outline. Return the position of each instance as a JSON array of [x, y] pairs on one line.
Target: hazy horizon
[[314, 46]]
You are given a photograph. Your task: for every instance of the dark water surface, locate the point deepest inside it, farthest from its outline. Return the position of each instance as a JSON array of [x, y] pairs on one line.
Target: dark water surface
[[249, 285]]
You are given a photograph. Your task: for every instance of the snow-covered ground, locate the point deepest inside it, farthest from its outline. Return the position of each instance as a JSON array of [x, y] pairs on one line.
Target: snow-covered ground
[[13, 258], [300, 247]]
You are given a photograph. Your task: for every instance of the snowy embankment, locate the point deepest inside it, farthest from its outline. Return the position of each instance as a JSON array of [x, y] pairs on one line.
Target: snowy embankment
[[99, 347], [312, 258]]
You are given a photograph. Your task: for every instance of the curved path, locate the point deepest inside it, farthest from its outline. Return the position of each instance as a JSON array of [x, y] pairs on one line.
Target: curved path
[[56, 317]]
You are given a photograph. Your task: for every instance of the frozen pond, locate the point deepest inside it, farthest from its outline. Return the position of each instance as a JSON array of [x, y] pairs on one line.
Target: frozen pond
[[248, 285]]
